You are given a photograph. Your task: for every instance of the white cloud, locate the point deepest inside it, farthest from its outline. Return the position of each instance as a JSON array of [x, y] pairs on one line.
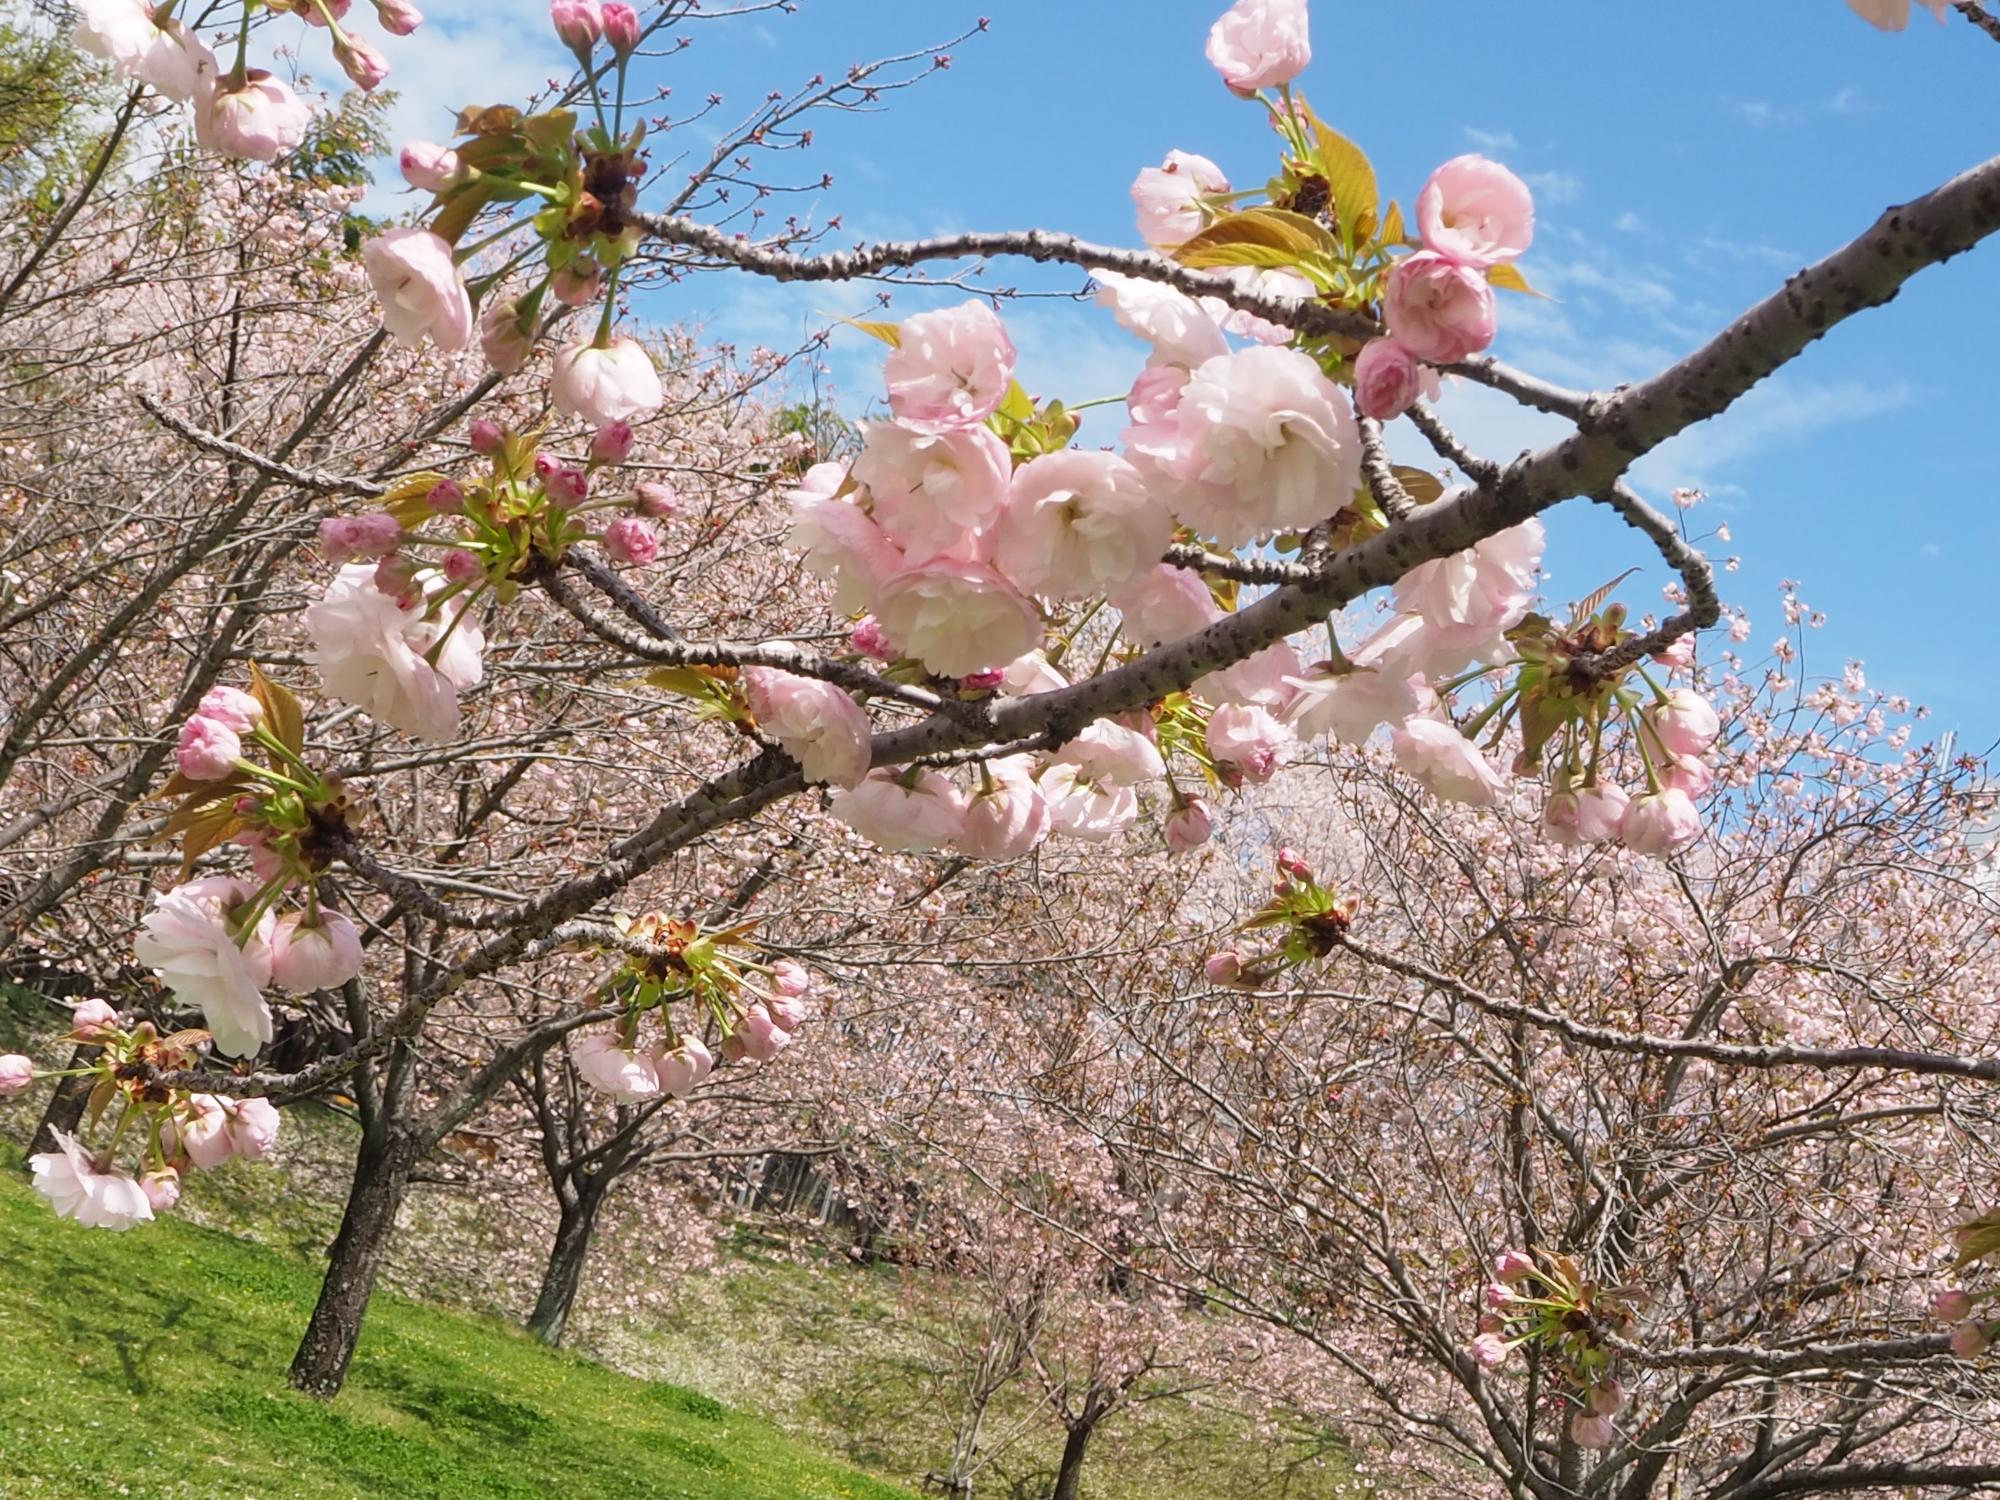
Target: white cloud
[[1555, 187], [1492, 140]]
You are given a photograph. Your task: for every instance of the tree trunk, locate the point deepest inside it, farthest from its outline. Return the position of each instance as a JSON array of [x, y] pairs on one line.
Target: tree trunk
[[65, 1107], [1069, 1476], [564, 1273], [381, 1178]]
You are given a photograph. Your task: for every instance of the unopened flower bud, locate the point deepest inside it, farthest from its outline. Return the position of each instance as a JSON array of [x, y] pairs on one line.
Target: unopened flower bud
[[870, 639], [398, 17], [656, 498], [207, 750], [232, 706], [1189, 826], [579, 283], [396, 576], [1293, 863], [1511, 1265], [621, 28], [578, 23], [367, 538], [566, 486], [1225, 967], [611, 443], [445, 498], [362, 62], [92, 1019], [1954, 1306], [486, 436], [983, 682], [162, 1189], [461, 566], [631, 541], [17, 1073], [1969, 1340], [428, 165]]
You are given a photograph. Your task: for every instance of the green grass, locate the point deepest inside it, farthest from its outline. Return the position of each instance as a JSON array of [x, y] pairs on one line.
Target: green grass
[[152, 1364]]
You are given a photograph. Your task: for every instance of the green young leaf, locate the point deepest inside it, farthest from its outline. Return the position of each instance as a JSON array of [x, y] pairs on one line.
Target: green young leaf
[[1357, 201], [1258, 237], [889, 333], [1508, 278], [282, 714]]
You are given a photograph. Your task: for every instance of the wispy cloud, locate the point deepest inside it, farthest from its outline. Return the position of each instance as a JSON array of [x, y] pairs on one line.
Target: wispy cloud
[[1555, 187], [1492, 140]]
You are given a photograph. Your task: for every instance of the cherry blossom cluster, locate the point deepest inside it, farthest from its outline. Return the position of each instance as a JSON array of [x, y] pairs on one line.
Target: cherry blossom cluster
[[1544, 1298], [753, 1002], [155, 1133], [242, 112], [581, 187], [1308, 918], [217, 942]]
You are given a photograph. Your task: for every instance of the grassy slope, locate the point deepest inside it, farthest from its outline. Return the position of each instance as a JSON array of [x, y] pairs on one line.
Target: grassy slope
[[152, 1364]]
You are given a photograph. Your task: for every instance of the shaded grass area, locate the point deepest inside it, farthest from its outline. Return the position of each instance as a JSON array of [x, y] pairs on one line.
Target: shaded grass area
[[152, 1364]]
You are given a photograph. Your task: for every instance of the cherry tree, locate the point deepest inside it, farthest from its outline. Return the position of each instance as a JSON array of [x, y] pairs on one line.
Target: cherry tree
[[511, 732]]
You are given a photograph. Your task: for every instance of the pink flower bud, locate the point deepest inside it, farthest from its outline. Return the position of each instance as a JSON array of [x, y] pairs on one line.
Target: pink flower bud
[[1607, 1398], [445, 498], [759, 1036], [486, 436], [162, 1189], [1684, 722], [396, 576], [789, 978], [1511, 1265], [983, 682], [17, 1073], [567, 487], [1225, 967], [208, 749], [362, 62], [1559, 819], [631, 541], [869, 638], [656, 498], [398, 17], [1688, 773], [366, 538], [1954, 1306], [1387, 379], [1490, 1350], [1660, 823], [1680, 654], [506, 335], [1497, 1294], [232, 707], [1189, 826], [1969, 1340], [788, 1012], [461, 566], [578, 23], [621, 28], [253, 1128], [1589, 1431], [579, 283], [428, 165], [1293, 863], [90, 1020], [611, 443]]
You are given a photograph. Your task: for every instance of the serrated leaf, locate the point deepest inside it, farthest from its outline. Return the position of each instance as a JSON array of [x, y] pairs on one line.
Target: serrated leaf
[[202, 804], [282, 714], [1357, 201], [550, 130], [488, 119], [1259, 236], [690, 682], [1590, 605], [889, 333], [187, 1040], [1421, 485], [1508, 278], [208, 833], [1977, 1240]]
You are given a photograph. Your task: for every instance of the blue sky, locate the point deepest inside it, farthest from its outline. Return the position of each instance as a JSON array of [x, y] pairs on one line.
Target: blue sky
[[1685, 157]]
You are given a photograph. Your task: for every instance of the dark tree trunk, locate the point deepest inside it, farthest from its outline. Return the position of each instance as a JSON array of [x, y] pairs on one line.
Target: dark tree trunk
[[564, 1273], [381, 1179], [1069, 1476], [65, 1106]]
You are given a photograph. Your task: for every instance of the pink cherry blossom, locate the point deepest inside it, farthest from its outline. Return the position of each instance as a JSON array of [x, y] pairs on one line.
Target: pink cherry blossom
[[506, 334], [950, 369], [371, 651], [1600, 812], [1660, 822], [1589, 1430], [1447, 763], [1511, 1265], [1387, 379], [1224, 967], [1350, 706], [758, 1036], [417, 281], [1273, 282], [1007, 815], [1268, 678], [612, 382], [1469, 600], [90, 1020], [1262, 441], [203, 1128], [1970, 1340], [321, 955], [611, 444], [841, 542], [1260, 43], [1248, 741], [231, 707], [1606, 1398], [162, 1189], [1688, 773], [1953, 1306], [186, 940], [1893, 15], [1168, 196], [208, 750], [1077, 523], [1490, 1350], [621, 27], [1083, 807], [681, 1071], [1475, 212], [253, 1127], [1684, 722], [1438, 310], [77, 1189], [928, 813], [160, 53], [361, 60], [1180, 329], [1031, 673], [608, 1066], [957, 617], [1156, 393], [578, 23], [398, 17], [1165, 604], [818, 725], [1107, 750], [936, 494], [631, 541], [17, 1074]]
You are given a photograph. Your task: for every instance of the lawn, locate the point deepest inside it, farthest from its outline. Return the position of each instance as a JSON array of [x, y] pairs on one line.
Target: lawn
[[152, 1364]]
